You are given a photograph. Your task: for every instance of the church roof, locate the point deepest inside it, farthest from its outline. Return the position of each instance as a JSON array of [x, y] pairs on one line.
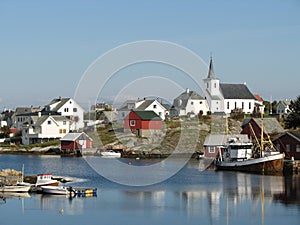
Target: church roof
[[236, 91]]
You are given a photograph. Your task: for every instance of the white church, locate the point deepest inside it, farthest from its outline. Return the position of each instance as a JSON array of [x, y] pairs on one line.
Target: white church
[[222, 98]]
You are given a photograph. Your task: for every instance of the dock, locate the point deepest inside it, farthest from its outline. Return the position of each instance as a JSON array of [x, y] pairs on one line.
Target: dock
[[291, 167]]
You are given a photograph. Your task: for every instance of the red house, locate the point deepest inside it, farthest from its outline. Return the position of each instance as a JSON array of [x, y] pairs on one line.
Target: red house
[[289, 143], [75, 142], [142, 122]]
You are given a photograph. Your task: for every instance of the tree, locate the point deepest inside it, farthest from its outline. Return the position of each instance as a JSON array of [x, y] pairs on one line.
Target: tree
[[293, 119]]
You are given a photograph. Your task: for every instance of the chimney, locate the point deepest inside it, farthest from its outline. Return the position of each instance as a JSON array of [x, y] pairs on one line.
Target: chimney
[[187, 90], [39, 114]]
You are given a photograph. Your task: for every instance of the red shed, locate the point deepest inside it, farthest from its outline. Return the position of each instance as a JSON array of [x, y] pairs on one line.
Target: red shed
[[75, 142], [142, 122], [289, 143]]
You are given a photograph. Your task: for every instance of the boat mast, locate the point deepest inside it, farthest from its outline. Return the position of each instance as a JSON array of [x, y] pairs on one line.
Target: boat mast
[[262, 135]]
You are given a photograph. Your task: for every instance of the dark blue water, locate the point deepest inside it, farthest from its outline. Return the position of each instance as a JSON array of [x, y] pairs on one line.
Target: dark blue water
[[191, 196]]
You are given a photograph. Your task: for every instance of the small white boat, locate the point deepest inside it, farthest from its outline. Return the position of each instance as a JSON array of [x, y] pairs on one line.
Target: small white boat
[[45, 180], [14, 188], [58, 190], [111, 154]]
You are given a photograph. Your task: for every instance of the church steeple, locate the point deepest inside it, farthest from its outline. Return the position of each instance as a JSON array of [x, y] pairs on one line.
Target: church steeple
[[211, 73]]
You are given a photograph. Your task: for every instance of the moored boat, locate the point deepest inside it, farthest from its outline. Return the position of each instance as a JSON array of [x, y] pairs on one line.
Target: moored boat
[[58, 190], [14, 188], [111, 154]]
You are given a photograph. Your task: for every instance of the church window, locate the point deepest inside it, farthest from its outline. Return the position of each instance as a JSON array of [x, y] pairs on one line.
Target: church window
[[249, 105], [215, 85], [242, 105], [227, 105], [207, 85], [235, 105]]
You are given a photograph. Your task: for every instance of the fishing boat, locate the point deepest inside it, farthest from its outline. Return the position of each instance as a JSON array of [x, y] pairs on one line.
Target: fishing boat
[[258, 157], [58, 190], [45, 180]]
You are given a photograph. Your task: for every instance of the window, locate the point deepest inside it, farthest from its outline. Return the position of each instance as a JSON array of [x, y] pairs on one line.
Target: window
[[60, 131], [215, 85], [66, 109], [288, 147], [278, 146], [250, 105], [200, 102], [154, 106], [227, 105], [211, 149], [192, 103], [132, 123], [64, 122], [74, 109], [235, 105], [49, 122], [297, 148], [64, 131], [242, 105], [207, 85]]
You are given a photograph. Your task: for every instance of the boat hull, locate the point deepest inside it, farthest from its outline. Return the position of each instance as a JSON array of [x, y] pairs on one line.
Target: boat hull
[[15, 189], [267, 165], [57, 190]]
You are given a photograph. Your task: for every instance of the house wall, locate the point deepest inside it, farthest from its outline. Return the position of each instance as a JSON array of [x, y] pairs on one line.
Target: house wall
[[72, 109], [158, 109], [282, 144], [207, 152], [247, 105], [257, 130], [132, 116], [197, 105], [72, 145], [151, 124]]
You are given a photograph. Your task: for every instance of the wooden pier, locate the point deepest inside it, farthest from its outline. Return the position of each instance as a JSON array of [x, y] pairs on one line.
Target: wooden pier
[[291, 167]]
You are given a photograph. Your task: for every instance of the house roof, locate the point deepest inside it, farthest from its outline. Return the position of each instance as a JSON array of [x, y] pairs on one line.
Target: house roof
[[75, 136], [124, 106], [294, 134], [61, 102], [222, 139], [236, 91], [285, 102], [147, 115], [146, 104], [271, 125], [258, 98], [182, 100]]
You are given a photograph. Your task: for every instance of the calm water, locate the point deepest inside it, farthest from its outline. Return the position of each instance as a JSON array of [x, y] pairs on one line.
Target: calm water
[[189, 197]]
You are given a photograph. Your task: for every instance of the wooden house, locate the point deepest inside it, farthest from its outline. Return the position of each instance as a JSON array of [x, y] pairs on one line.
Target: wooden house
[[142, 122], [75, 142], [289, 143]]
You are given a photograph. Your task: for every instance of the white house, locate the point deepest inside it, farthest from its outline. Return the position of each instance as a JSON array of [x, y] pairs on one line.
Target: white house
[[190, 103], [223, 97], [283, 107], [152, 105], [69, 108], [143, 105], [42, 128]]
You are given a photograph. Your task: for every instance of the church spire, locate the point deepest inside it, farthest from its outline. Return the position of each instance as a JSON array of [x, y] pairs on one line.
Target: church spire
[[211, 73]]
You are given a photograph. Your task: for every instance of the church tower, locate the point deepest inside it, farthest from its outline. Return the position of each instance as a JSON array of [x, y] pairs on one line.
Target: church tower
[[212, 84]]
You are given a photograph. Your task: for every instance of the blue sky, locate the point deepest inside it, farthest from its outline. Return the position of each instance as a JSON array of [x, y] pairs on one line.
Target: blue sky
[[46, 46]]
